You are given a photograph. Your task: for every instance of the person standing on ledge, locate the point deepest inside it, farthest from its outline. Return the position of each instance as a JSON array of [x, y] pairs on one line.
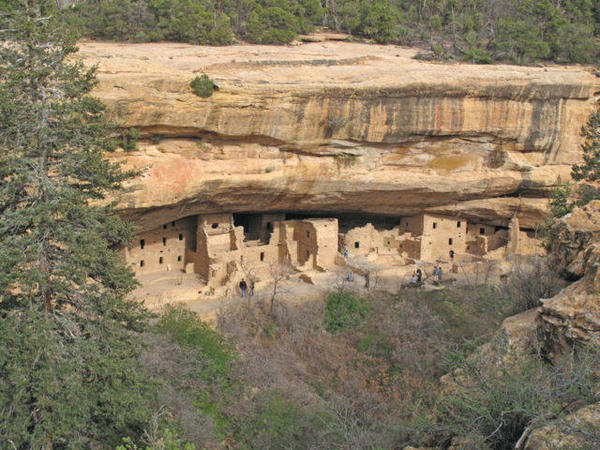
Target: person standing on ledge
[[243, 287], [439, 273], [251, 287]]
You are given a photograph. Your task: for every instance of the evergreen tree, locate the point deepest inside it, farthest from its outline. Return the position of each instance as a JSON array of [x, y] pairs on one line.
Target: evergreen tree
[[590, 169], [69, 376]]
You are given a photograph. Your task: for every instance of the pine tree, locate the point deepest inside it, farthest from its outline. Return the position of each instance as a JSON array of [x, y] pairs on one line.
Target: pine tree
[[590, 169], [69, 376]]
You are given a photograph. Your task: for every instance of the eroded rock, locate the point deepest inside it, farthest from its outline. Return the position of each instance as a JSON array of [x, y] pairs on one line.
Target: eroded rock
[[339, 127]]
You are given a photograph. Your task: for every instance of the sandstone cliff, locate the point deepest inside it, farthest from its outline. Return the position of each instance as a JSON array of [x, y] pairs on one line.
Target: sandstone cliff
[[340, 127]]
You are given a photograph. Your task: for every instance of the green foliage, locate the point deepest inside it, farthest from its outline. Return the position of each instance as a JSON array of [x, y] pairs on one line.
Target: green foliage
[[202, 86], [130, 138], [344, 310], [168, 440], [184, 328], [272, 422], [476, 31], [68, 341], [590, 169], [560, 200]]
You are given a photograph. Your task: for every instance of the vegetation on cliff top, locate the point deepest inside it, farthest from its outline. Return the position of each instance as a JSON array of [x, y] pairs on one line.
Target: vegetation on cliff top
[[480, 31]]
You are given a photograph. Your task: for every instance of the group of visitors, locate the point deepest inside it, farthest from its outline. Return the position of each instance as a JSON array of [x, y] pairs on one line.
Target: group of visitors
[[417, 277], [244, 288]]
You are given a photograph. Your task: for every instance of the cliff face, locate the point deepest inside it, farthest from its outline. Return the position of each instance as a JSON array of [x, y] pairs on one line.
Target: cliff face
[[340, 127]]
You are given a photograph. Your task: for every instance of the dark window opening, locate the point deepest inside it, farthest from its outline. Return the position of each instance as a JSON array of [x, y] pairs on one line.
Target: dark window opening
[[307, 254], [180, 237], [164, 227], [262, 256], [142, 243], [308, 234], [160, 260], [164, 241], [142, 263], [172, 224], [357, 244], [458, 224], [434, 225], [482, 231], [215, 225], [269, 227], [179, 258], [451, 254], [450, 241]]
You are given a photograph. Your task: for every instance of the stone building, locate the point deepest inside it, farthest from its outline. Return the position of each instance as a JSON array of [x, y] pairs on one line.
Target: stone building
[[162, 249], [223, 248]]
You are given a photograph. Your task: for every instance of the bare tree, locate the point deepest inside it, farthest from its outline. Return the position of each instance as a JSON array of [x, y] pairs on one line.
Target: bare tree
[[278, 273]]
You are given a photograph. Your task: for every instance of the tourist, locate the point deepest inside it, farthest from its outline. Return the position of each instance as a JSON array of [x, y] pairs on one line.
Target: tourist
[[419, 275], [350, 276], [346, 252], [413, 278], [252, 287], [243, 287], [439, 273], [435, 272]]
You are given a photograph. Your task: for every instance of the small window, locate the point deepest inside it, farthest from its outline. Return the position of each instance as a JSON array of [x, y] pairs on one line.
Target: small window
[[458, 224], [164, 227], [160, 260], [482, 231], [269, 226], [142, 263], [172, 224], [180, 237], [308, 234], [357, 244], [215, 225], [142, 243], [450, 241], [164, 241], [307, 254], [262, 256], [179, 258], [434, 225]]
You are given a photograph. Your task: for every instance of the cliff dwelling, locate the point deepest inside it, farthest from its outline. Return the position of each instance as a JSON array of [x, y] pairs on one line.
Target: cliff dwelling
[[447, 167], [222, 249]]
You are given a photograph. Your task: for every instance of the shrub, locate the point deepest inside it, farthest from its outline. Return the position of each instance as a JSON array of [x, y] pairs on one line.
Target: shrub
[[344, 310], [528, 283], [130, 137], [493, 402], [202, 86], [185, 328]]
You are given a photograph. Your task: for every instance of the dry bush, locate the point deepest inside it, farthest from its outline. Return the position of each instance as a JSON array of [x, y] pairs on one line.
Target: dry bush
[[530, 281]]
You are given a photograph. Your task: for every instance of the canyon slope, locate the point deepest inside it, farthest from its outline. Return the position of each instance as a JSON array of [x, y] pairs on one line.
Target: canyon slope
[[339, 127]]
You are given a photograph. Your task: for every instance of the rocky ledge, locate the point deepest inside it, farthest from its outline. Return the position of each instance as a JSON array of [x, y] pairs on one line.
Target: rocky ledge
[[337, 127]]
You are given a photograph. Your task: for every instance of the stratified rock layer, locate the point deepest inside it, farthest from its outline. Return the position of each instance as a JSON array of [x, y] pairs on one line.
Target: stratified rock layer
[[339, 127]]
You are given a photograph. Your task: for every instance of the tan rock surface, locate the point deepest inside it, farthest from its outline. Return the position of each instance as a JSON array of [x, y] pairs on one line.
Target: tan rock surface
[[339, 127], [573, 315], [578, 430]]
